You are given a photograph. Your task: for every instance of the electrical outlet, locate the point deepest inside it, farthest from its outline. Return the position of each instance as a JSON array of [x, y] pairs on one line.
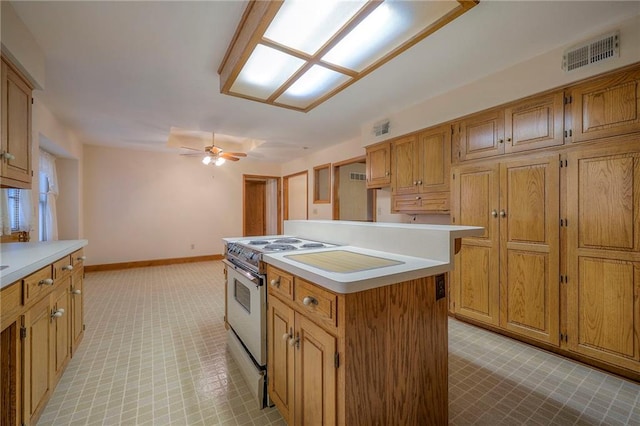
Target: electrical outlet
[[440, 287]]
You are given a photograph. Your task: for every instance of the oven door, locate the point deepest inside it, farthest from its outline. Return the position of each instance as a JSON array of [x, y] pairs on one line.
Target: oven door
[[247, 310]]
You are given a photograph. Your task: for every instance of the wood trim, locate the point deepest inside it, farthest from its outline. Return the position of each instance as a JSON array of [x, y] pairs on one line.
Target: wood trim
[[285, 195], [316, 184], [156, 262], [16, 237]]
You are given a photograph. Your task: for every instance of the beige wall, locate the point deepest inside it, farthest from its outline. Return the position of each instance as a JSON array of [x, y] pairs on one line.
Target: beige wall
[[152, 205], [297, 192]]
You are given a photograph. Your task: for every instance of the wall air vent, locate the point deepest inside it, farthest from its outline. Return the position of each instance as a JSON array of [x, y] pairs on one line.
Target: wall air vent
[[357, 176], [381, 128], [596, 50]]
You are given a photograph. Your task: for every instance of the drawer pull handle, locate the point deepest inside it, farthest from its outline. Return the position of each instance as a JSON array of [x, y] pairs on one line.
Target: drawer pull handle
[[309, 301], [76, 291], [46, 281], [275, 282], [67, 268]]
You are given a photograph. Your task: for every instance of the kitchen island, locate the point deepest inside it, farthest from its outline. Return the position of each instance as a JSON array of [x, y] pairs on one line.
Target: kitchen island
[[358, 333]]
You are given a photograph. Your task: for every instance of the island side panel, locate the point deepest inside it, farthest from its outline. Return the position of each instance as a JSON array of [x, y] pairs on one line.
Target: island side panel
[[395, 341], [367, 360], [417, 373]]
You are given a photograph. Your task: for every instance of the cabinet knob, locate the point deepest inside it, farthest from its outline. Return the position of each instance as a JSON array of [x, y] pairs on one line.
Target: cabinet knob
[[309, 301], [508, 139], [503, 213], [386, 173], [82, 258], [287, 336], [46, 281], [419, 182], [500, 140], [57, 314], [418, 198], [275, 282], [67, 268], [76, 291], [8, 156], [415, 182], [494, 213]]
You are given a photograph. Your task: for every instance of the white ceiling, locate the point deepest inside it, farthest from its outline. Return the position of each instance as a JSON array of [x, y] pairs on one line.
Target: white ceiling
[[122, 73]]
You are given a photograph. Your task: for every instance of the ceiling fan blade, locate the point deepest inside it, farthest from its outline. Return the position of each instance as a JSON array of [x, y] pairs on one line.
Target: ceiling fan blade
[[191, 149], [236, 154], [228, 157]]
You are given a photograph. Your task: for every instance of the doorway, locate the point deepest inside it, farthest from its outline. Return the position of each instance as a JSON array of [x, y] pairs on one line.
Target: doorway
[[296, 196], [351, 198], [261, 214]]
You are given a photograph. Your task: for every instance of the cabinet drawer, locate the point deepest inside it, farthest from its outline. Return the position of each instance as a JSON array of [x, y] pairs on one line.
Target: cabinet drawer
[[10, 303], [62, 268], [280, 282], [37, 284], [422, 203], [77, 258], [316, 303]]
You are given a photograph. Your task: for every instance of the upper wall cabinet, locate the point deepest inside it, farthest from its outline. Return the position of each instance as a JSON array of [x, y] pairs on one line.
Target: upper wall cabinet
[[15, 150], [606, 107], [379, 165], [534, 123], [481, 135]]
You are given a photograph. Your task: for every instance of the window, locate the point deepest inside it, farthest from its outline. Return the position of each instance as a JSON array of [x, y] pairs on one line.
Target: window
[[321, 184], [14, 209], [42, 206]]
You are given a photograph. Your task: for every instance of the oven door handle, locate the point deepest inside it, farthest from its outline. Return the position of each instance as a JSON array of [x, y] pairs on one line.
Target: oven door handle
[[248, 275]]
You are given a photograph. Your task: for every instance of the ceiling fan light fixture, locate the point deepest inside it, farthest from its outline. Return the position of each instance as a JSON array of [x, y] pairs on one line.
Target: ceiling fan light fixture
[[206, 160], [219, 161], [304, 52]]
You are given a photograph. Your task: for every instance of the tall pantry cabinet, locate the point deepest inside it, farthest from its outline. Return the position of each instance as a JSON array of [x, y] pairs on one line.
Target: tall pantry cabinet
[[555, 181]]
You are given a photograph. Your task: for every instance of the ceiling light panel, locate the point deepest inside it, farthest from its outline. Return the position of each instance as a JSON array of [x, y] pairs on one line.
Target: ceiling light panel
[[265, 71], [306, 25], [316, 82], [389, 26], [299, 53]]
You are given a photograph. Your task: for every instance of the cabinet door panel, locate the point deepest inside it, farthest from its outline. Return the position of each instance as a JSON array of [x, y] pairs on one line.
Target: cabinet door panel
[[535, 123], [603, 254], [607, 217], [482, 135], [379, 165], [37, 354], [607, 107], [405, 163], [530, 248], [476, 274], [77, 323], [280, 353], [435, 159], [315, 375], [61, 328]]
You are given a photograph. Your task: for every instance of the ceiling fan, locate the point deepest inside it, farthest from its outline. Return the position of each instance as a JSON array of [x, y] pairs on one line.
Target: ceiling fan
[[216, 155], [202, 143]]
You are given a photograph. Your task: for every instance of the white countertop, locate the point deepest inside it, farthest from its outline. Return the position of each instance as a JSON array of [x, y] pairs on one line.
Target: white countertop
[[26, 258], [424, 250], [351, 282]]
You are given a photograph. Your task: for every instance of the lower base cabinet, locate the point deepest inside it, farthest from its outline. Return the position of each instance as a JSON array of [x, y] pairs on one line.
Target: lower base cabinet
[[41, 323], [374, 357]]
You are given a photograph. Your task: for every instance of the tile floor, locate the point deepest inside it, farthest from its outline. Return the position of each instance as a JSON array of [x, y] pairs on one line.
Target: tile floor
[[154, 353]]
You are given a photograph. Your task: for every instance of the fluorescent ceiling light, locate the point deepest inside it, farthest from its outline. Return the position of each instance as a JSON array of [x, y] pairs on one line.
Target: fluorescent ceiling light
[[298, 53]]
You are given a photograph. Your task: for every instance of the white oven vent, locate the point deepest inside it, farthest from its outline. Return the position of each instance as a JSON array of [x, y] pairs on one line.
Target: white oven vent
[[381, 128], [596, 50]]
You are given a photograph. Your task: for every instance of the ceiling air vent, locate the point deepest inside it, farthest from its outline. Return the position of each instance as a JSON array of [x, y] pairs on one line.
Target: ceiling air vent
[[592, 51], [381, 128]]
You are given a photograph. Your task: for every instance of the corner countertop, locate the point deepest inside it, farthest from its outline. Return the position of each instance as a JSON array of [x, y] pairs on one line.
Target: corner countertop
[[25, 258], [410, 268]]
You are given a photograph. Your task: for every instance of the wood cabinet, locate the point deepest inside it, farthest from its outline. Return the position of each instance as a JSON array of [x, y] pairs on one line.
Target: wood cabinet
[[378, 166], [38, 368], [603, 253], [15, 149], [42, 323], [607, 106], [509, 276], [331, 354], [420, 171], [481, 135]]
